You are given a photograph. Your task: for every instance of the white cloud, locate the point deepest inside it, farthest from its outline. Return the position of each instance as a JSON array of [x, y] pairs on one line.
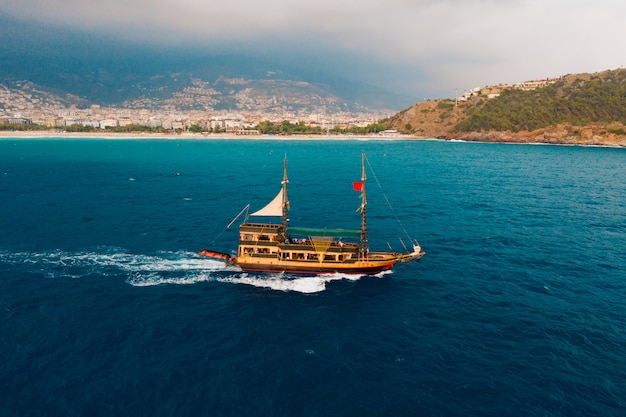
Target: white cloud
[[449, 43]]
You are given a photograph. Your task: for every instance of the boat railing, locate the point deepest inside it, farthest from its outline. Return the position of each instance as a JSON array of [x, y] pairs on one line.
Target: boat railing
[[261, 225]]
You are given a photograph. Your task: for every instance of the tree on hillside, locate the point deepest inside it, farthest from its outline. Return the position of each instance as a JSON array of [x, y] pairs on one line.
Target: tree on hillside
[[579, 102]]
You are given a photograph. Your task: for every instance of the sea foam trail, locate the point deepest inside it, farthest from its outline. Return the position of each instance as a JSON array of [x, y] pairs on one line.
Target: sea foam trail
[[143, 270], [163, 268], [280, 282]]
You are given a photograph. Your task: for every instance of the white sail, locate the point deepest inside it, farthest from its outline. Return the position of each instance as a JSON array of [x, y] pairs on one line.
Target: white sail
[[274, 208]]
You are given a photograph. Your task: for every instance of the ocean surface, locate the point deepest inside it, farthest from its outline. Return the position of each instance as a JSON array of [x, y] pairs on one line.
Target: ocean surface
[[518, 307]]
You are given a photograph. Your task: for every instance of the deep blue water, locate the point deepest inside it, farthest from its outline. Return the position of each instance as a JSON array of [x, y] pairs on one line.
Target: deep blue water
[[517, 309]]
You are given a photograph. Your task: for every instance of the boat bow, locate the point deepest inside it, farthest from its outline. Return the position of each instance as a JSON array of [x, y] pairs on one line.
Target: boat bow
[[412, 256]]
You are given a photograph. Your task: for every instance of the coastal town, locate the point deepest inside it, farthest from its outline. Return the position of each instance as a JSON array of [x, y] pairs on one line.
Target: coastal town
[[190, 110], [194, 109]]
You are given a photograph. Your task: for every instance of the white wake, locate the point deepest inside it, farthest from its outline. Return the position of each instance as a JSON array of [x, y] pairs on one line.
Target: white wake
[[163, 268]]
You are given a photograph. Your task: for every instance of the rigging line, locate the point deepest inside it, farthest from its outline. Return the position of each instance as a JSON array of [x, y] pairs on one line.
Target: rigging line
[[369, 165], [217, 237], [245, 209], [236, 217]]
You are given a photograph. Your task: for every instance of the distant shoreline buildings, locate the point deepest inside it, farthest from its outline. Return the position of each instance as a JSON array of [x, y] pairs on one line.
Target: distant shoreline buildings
[[99, 118], [26, 105], [60, 118], [495, 91]]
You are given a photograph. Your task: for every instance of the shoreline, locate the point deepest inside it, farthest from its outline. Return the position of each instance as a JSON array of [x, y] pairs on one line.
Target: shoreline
[[223, 136], [188, 136]]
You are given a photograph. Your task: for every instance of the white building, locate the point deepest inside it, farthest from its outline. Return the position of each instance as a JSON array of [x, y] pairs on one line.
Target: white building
[[108, 123]]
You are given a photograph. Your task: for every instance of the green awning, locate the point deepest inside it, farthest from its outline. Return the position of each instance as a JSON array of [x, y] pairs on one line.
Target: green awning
[[306, 231]]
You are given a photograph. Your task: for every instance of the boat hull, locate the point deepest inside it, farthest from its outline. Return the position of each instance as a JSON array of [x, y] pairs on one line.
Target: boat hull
[[315, 271], [367, 267]]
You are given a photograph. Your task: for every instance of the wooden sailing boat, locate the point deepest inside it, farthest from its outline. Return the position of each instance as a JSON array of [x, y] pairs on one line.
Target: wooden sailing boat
[[278, 247]]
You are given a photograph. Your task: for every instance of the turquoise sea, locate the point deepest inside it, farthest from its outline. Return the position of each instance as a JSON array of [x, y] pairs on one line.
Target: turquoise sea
[[517, 309]]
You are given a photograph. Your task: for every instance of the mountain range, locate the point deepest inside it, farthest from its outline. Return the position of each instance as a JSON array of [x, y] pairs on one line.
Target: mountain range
[[87, 69]]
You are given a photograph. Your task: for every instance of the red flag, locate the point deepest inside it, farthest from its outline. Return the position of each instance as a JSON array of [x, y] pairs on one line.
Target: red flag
[[358, 185]]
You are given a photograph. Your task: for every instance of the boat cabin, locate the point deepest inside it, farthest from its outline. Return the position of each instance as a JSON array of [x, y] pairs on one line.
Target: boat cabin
[[270, 241]]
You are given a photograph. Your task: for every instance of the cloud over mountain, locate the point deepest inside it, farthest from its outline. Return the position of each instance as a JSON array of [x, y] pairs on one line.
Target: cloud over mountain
[[425, 48]]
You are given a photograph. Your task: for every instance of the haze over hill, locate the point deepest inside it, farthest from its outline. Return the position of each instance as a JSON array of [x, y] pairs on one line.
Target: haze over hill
[[99, 70], [364, 52]]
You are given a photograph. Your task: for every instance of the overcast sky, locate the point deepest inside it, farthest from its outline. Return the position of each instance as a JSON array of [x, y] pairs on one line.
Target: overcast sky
[[427, 48]]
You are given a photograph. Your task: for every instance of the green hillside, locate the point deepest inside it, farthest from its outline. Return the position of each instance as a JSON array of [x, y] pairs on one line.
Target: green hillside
[[575, 100], [574, 109]]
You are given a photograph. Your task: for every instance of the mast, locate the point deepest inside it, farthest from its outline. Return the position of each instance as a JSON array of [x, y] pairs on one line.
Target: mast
[[285, 215], [363, 243]]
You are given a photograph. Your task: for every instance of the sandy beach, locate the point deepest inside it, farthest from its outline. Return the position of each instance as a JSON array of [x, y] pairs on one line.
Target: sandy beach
[[479, 138], [219, 136]]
